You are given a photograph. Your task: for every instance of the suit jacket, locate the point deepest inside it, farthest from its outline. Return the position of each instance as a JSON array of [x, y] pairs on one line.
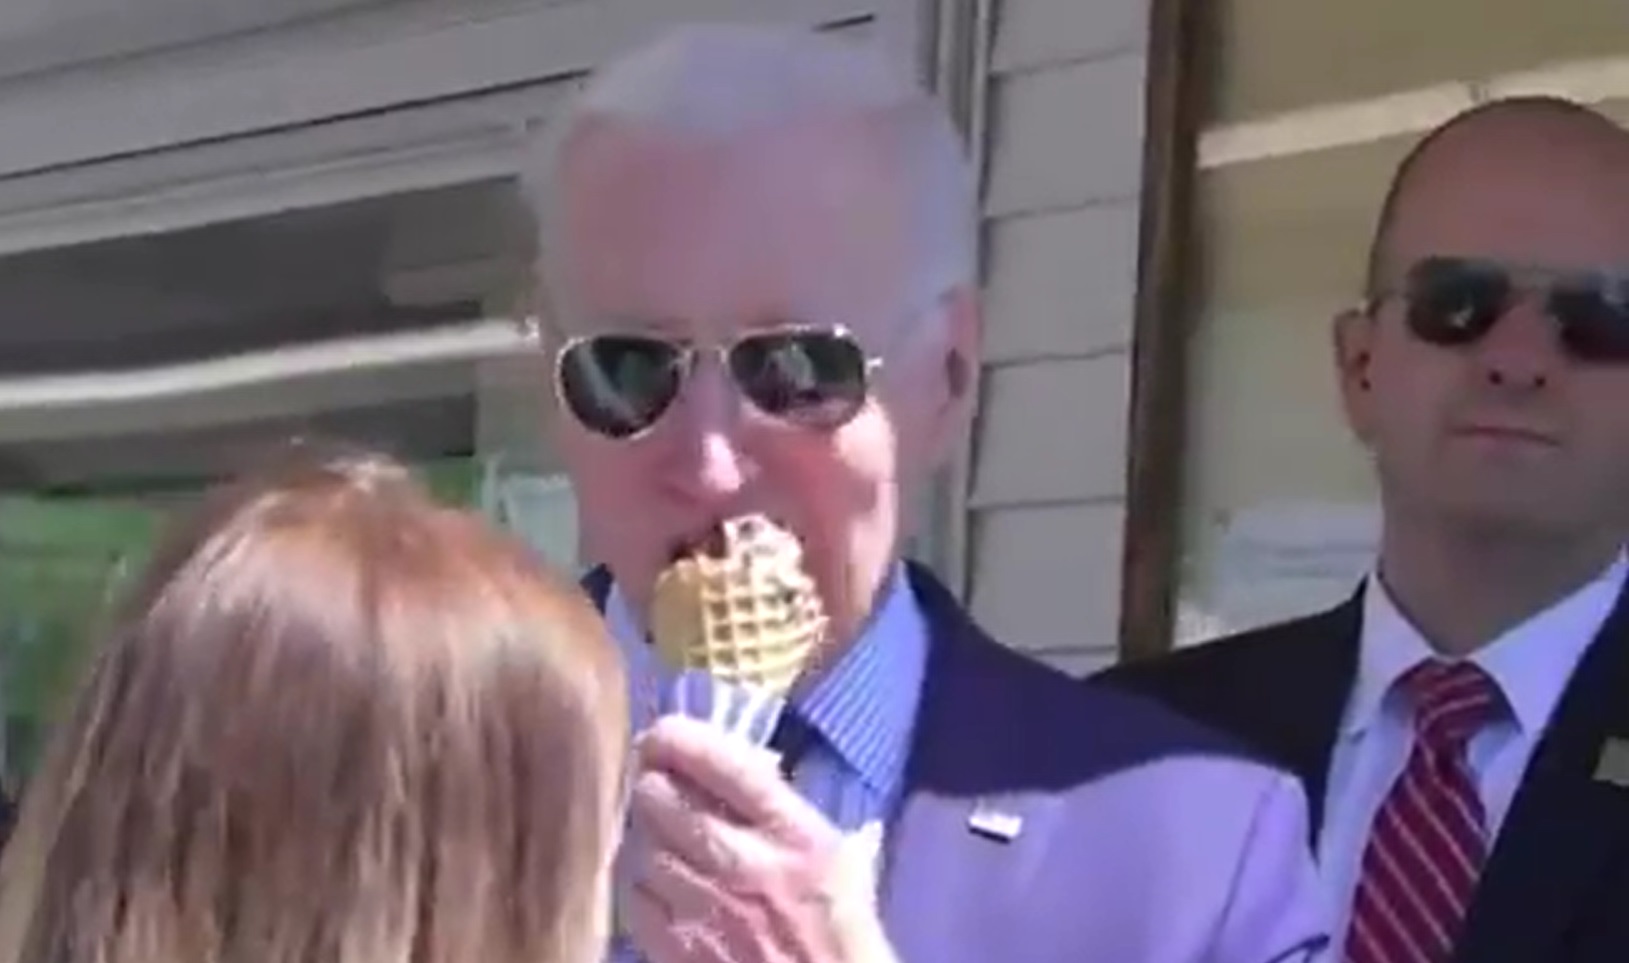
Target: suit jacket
[[1136, 836], [1556, 885]]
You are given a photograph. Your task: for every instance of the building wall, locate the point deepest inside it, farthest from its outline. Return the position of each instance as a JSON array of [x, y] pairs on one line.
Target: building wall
[[1046, 497]]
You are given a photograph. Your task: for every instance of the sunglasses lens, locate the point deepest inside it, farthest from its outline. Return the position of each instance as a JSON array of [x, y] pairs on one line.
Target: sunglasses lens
[[1454, 302], [1594, 318], [813, 378], [619, 385]]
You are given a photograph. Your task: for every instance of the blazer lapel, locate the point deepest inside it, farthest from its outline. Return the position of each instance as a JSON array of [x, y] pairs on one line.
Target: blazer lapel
[[1318, 670], [597, 583], [1566, 827], [957, 839]]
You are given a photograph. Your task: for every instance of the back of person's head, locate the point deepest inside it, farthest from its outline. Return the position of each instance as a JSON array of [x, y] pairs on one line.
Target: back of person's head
[[336, 723]]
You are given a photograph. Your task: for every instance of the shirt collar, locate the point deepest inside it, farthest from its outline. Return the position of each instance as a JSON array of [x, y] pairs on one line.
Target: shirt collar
[[1531, 662], [864, 705]]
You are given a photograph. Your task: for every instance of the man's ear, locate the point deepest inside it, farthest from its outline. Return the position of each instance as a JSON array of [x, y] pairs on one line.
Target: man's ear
[[1354, 342], [960, 370]]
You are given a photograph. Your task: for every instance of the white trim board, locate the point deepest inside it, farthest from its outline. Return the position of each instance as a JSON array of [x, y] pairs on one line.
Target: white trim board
[[412, 148], [339, 356], [298, 379]]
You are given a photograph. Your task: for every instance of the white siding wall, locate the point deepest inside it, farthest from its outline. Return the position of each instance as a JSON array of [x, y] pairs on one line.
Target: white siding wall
[[1063, 181]]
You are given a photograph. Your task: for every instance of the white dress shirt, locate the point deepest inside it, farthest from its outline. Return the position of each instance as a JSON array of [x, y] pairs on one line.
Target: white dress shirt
[[1532, 663]]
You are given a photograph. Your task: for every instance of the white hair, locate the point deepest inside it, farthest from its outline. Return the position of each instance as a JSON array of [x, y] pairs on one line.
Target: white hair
[[723, 81]]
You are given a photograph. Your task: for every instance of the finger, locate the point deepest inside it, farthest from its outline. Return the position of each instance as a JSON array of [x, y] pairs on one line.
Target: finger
[[682, 823], [687, 894], [659, 937], [734, 772], [705, 915], [645, 923]]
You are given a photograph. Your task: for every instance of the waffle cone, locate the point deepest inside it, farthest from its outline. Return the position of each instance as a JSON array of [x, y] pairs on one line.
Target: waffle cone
[[747, 615]]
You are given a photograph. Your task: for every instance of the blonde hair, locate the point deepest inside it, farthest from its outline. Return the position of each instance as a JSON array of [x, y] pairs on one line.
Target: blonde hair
[[337, 722]]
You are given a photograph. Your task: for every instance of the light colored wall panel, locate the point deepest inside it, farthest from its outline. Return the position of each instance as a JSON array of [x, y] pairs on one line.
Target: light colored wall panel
[[1032, 33], [292, 77], [1063, 179], [1066, 136], [1053, 431], [38, 35], [1047, 579], [1062, 283], [1277, 55]]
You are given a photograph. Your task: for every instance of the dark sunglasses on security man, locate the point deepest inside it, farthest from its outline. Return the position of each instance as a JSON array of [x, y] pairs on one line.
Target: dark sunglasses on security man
[[1456, 301], [620, 385]]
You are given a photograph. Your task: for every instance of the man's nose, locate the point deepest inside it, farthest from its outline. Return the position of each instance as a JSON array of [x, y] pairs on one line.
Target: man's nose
[[1523, 352], [712, 465]]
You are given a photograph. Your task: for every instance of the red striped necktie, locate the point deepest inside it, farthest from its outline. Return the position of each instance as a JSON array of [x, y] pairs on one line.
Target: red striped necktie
[[1429, 839]]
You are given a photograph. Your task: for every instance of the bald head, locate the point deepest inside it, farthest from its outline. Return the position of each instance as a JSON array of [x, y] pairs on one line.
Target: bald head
[[1516, 146], [1485, 377]]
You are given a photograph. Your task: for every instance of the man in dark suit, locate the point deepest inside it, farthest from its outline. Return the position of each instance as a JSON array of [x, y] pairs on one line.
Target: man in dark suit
[[762, 301], [1461, 723]]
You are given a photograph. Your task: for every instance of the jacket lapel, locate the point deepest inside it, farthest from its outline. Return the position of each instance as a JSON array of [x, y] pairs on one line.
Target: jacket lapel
[[946, 848], [1567, 825], [597, 583], [1318, 669]]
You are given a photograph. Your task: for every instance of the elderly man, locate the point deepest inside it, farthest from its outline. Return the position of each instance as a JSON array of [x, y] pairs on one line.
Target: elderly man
[[1462, 721], [759, 251]]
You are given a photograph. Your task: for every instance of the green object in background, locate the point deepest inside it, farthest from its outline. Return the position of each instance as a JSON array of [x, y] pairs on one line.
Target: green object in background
[[63, 562], [453, 480]]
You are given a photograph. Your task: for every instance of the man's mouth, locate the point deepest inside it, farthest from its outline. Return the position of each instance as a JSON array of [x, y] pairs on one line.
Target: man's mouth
[[1509, 434], [708, 541]]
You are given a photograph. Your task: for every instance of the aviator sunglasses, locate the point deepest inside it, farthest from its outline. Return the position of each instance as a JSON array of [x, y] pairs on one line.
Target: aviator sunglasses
[[1456, 301], [620, 385]]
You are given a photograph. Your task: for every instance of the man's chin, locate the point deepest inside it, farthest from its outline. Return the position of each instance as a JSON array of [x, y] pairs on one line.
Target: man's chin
[[1527, 512]]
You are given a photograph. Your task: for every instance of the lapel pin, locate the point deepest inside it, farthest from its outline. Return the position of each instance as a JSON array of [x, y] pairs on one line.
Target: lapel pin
[[996, 824], [1613, 764]]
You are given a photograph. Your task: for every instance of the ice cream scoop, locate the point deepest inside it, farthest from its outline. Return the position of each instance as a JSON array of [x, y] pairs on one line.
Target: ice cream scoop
[[740, 607]]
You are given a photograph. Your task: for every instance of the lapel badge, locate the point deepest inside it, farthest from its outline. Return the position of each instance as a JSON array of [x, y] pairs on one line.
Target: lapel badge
[[1003, 826], [1613, 764]]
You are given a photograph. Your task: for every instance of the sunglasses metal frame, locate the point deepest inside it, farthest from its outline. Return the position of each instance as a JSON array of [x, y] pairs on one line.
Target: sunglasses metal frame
[[688, 353], [1582, 338], [1527, 279], [1548, 285]]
